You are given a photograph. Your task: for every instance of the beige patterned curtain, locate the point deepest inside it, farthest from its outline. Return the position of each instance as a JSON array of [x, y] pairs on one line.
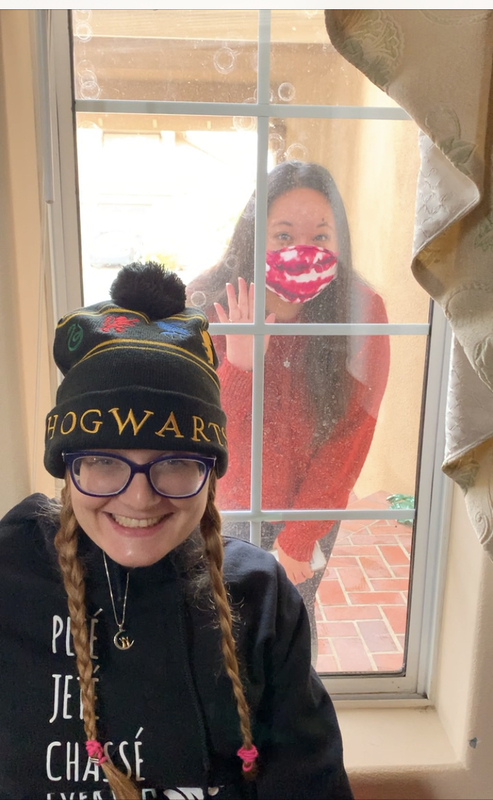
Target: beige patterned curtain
[[437, 65]]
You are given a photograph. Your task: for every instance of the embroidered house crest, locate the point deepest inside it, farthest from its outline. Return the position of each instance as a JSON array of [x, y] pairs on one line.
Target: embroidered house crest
[[173, 329], [117, 324]]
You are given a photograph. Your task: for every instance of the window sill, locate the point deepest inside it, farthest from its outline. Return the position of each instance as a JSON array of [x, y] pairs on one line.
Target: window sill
[[394, 738]]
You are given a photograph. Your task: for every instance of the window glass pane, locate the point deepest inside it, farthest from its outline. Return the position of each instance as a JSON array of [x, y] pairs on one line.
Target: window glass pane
[[371, 197], [300, 37], [361, 602], [159, 187], [186, 55], [329, 404], [357, 603]]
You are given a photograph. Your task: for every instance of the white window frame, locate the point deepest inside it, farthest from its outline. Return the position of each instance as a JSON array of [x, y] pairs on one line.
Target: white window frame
[[56, 135]]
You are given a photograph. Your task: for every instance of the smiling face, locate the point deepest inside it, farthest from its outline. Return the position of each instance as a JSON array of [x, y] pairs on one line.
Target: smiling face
[[138, 527], [301, 216]]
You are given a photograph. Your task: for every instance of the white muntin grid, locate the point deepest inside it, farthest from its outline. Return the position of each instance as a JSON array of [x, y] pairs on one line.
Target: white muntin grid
[[59, 159]]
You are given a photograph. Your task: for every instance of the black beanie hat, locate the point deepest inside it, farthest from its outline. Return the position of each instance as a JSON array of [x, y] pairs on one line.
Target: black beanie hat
[[139, 373]]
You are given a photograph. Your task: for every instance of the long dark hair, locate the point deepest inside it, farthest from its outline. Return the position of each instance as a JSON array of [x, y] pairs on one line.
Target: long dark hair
[[324, 362]]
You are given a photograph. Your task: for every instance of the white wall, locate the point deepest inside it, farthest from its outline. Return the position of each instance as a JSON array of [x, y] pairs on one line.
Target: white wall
[[14, 482], [25, 354]]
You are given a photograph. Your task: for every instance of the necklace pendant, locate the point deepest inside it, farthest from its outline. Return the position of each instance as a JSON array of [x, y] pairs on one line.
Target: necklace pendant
[[122, 641]]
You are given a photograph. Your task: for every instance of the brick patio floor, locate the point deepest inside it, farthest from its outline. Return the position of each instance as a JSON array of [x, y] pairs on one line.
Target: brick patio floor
[[362, 600]]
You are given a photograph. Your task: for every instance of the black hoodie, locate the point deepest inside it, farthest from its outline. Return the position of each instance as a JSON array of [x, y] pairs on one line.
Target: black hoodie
[[165, 706]]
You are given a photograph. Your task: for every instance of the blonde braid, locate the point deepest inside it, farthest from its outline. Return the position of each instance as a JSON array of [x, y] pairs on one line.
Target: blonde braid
[[73, 579], [210, 528]]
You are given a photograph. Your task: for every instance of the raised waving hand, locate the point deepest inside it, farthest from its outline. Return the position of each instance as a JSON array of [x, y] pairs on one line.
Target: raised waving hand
[[239, 347]]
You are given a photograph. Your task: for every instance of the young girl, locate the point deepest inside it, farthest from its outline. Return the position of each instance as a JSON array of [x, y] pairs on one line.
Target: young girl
[[321, 393], [142, 655]]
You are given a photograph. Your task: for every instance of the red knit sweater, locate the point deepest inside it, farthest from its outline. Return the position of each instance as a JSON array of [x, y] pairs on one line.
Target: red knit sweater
[[295, 473]]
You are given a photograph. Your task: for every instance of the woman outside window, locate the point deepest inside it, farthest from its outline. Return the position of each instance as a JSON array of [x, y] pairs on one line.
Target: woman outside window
[[322, 393]]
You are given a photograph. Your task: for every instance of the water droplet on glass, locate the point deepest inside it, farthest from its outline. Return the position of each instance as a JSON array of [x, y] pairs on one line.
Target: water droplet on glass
[[224, 60], [90, 90], [82, 15], [231, 262], [242, 124], [84, 65], [286, 92], [276, 144], [83, 32], [198, 299], [297, 152], [87, 76]]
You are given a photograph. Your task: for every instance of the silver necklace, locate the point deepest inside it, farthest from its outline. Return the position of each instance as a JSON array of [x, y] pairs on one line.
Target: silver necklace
[[120, 639]]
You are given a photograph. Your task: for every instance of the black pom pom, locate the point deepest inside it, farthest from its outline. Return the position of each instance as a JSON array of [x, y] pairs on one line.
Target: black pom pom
[[149, 288]]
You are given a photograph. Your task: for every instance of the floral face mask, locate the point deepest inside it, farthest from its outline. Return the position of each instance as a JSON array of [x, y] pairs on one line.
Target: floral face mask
[[299, 273]]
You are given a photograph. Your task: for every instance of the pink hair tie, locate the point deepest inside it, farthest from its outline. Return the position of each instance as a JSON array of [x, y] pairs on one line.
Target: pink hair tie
[[248, 756], [95, 751]]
